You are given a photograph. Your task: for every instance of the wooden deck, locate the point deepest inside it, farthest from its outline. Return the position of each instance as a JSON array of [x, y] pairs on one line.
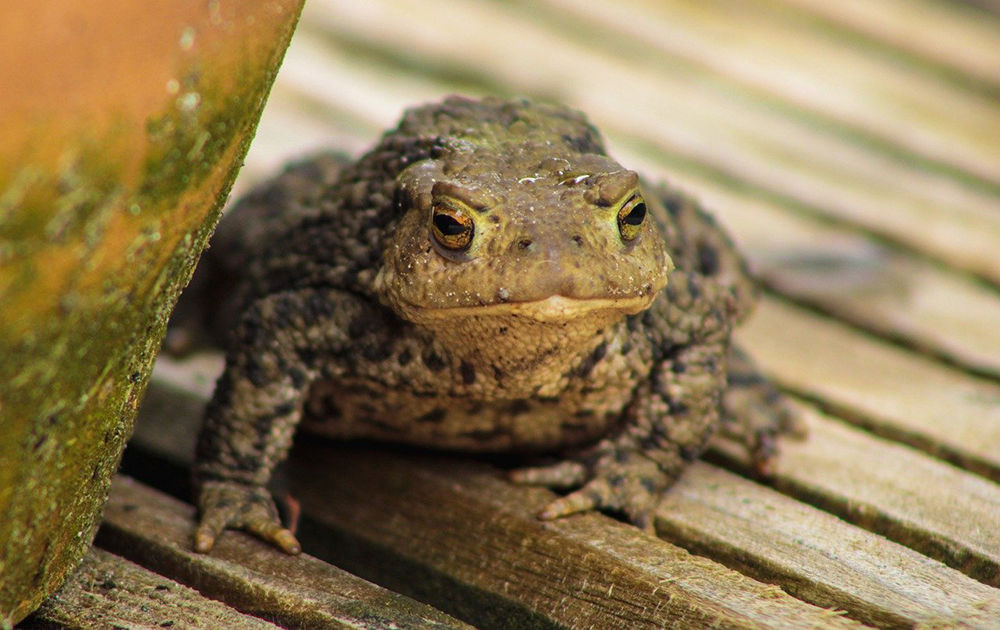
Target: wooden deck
[[852, 148]]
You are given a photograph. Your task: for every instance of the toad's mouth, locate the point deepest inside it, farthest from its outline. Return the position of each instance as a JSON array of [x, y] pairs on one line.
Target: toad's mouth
[[556, 308]]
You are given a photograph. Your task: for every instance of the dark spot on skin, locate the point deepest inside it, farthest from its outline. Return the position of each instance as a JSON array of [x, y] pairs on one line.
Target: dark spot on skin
[[162, 587], [678, 367], [679, 409], [584, 413], [627, 346], [494, 218], [404, 357], [475, 408], [134, 377], [308, 356], [587, 366], [432, 417], [518, 407], [690, 453], [708, 260], [376, 352], [503, 330], [256, 372], [499, 374], [649, 485], [357, 328], [39, 443], [433, 362], [616, 481], [632, 322], [621, 457], [299, 378], [585, 142], [694, 287], [468, 373]]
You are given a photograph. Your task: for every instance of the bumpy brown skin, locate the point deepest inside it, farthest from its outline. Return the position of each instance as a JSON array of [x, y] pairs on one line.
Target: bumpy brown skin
[[549, 332]]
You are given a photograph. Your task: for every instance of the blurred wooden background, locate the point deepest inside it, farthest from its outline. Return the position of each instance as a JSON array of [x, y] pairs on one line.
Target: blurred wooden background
[[853, 149]]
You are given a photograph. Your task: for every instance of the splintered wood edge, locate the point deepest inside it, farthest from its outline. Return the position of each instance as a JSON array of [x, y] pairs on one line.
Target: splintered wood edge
[[108, 591], [817, 556], [456, 536], [156, 531]]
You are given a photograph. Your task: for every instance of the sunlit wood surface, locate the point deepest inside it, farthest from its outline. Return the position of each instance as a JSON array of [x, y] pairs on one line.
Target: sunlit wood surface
[[853, 149]]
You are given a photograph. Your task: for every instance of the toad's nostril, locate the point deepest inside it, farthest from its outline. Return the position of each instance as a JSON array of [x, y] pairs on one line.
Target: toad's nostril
[[578, 240], [524, 244]]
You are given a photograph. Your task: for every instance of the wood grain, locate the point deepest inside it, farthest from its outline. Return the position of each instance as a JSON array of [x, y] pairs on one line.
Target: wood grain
[[887, 488], [155, 530], [818, 557], [108, 591]]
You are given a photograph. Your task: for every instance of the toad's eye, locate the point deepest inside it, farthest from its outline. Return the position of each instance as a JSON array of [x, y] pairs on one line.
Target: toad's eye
[[631, 216], [452, 227]]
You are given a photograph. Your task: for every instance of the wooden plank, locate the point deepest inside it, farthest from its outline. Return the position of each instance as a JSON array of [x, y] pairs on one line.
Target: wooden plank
[[155, 530], [107, 591], [451, 533], [805, 163], [925, 504], [904, 24], [893, 392], [816, 556]]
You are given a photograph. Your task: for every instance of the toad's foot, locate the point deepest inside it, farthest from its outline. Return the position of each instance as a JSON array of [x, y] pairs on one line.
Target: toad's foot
[[755, 413], [226, 504], [623, 481]]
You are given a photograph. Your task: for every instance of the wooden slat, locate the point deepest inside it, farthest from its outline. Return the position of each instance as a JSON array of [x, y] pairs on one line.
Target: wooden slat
[[891, 489], [818, 557], [156, 530], [108, 591], [451, 533], [893, 392], [905, 24], [736, 135]]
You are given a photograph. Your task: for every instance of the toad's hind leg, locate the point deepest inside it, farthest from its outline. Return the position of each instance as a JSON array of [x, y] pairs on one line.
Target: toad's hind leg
[[754, 412]]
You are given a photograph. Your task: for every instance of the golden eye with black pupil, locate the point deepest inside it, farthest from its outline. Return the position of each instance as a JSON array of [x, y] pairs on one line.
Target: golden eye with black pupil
[[631, 216], [452, 227]]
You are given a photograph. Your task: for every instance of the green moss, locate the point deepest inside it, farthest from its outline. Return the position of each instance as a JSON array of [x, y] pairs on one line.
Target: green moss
[[93, 262]]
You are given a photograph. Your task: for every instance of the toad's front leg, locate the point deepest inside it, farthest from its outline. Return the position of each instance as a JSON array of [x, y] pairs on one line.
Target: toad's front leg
[[281, 345], [668, 425]]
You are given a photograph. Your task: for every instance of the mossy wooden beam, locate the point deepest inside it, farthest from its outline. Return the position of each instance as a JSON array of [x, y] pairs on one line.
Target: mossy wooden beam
[[122, 126]]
